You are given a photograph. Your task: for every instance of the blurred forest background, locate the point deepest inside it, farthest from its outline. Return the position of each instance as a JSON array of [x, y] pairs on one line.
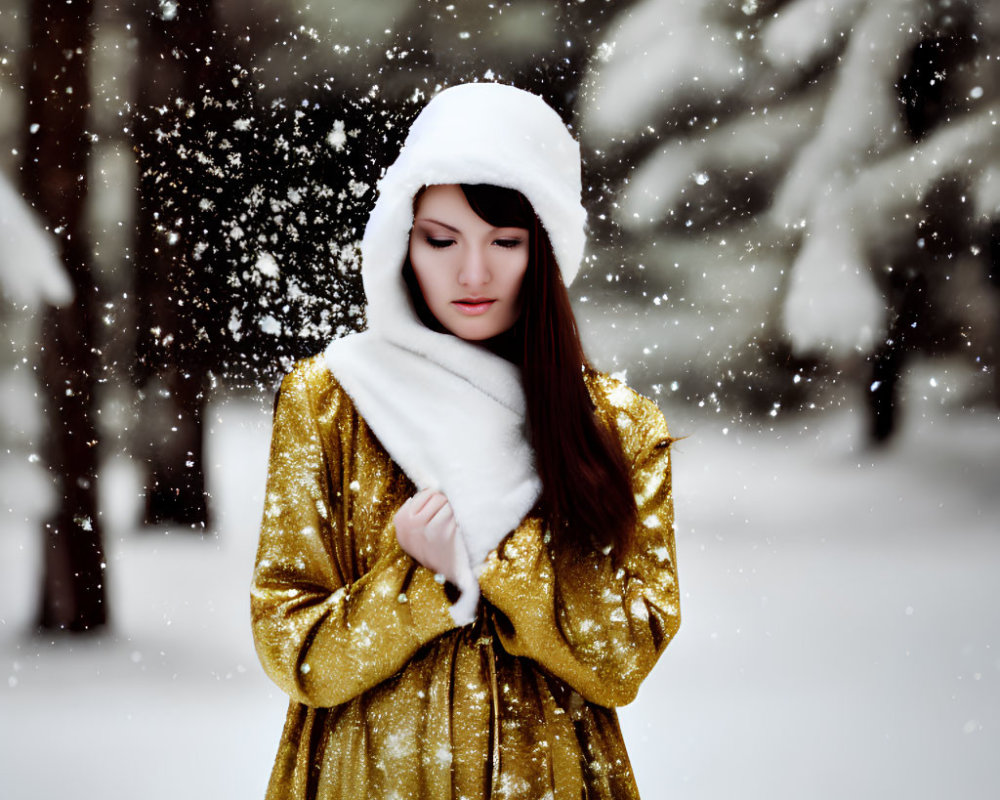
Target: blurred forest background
[[788, 199], [794, 211]]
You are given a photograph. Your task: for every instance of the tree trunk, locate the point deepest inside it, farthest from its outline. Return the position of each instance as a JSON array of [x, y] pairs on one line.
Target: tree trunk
[[175, 287], [54, 180], [175, 477]]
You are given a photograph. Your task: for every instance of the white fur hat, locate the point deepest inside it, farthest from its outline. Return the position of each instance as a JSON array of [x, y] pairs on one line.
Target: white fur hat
[[475, 133]]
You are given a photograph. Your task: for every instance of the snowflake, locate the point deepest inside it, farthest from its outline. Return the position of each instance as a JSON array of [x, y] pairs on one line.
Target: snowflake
[[337, 138]]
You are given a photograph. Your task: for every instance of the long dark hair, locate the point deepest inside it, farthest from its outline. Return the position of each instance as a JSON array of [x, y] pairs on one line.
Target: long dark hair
[[586, 493]]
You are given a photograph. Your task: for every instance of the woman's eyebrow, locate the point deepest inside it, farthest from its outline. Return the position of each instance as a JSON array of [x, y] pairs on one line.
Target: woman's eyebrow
[[439, 222]]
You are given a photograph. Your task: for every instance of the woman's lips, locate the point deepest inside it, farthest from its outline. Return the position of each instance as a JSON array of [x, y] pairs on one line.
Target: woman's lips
[[473, 306]]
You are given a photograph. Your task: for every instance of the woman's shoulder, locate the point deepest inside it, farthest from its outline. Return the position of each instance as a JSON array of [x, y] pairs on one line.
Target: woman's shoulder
[[612, 393], [311, 381], [637, 419]]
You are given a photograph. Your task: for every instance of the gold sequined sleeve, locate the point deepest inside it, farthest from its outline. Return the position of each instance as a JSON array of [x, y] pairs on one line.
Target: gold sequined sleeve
[[322, 637], [597, 626]]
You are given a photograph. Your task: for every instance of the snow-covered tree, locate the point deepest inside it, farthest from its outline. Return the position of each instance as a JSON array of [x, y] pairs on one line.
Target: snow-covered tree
[[789, 154]]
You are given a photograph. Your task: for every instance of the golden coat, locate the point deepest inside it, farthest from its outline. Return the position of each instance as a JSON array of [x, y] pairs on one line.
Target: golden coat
[[389, 699]]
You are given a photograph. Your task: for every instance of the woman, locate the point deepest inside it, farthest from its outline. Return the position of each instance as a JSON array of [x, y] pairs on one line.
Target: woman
[[467, 556]]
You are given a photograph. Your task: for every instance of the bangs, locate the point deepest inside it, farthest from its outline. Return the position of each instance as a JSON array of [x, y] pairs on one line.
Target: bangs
[[499, 206]]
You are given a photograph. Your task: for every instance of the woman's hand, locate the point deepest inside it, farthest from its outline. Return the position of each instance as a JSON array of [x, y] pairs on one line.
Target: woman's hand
[[427, 530]]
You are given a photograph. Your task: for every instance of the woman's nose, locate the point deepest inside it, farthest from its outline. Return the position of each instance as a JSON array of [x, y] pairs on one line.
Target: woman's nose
[[475, 269]]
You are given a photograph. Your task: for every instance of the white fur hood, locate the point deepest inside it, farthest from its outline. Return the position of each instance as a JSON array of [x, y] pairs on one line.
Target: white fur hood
[[475, 133]]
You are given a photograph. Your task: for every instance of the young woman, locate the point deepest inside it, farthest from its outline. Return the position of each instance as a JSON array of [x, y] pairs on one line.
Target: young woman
[[467, 556]]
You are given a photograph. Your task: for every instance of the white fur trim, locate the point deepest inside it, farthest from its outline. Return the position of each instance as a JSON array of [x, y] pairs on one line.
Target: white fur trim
[[463, 611], [445, 431]]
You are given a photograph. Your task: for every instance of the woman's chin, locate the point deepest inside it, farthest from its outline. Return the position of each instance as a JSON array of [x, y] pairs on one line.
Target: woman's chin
[[476, 329], [464, 332]]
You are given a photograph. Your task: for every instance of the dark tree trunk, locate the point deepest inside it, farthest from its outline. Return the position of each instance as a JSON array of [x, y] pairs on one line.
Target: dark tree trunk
[[915, 286], [175, 476], [907, 299], [54, 180], [178, 100]]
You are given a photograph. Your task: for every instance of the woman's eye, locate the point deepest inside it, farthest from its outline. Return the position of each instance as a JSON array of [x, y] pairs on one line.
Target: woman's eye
[[440, 244], [508, 243]]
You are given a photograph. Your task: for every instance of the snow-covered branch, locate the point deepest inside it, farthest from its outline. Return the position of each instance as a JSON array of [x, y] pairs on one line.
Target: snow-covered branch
[[660, 50], [744, 144], [804, 31], [862, 117], [832, 302], [31, 272]]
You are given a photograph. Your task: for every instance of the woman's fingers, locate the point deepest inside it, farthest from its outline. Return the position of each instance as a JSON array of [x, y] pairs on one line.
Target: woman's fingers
[[443, 519], [441, 528], [426, 529], [430, 506], [419, 500]]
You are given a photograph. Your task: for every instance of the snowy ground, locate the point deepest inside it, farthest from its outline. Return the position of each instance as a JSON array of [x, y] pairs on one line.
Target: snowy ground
[[841, 632]]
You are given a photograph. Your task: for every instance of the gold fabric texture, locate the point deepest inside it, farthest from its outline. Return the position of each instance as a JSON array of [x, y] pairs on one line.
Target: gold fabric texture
[[389, 699]]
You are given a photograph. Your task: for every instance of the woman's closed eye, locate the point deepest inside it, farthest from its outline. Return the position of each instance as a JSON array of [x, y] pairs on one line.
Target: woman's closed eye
[[508, 243], [438, 243]]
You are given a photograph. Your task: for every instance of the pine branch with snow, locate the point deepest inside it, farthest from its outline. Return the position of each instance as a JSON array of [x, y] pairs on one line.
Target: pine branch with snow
[[31, 271], [824, 108]]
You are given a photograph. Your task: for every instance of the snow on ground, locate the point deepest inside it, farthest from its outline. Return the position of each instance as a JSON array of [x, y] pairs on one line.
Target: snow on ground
[[840, 635], [840, 615]]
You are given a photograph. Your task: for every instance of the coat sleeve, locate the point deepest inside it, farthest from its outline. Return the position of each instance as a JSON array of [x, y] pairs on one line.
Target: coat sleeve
[[321, 638], [597, 626]]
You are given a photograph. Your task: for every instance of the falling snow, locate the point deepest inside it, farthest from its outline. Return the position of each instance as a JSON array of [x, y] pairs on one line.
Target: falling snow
[[770, 194]]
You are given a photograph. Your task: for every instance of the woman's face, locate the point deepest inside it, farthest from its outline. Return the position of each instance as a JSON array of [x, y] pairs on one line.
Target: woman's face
[[469, 272]]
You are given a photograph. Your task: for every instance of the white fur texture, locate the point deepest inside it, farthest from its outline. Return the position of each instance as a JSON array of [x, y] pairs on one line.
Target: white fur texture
[[445, 431]]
